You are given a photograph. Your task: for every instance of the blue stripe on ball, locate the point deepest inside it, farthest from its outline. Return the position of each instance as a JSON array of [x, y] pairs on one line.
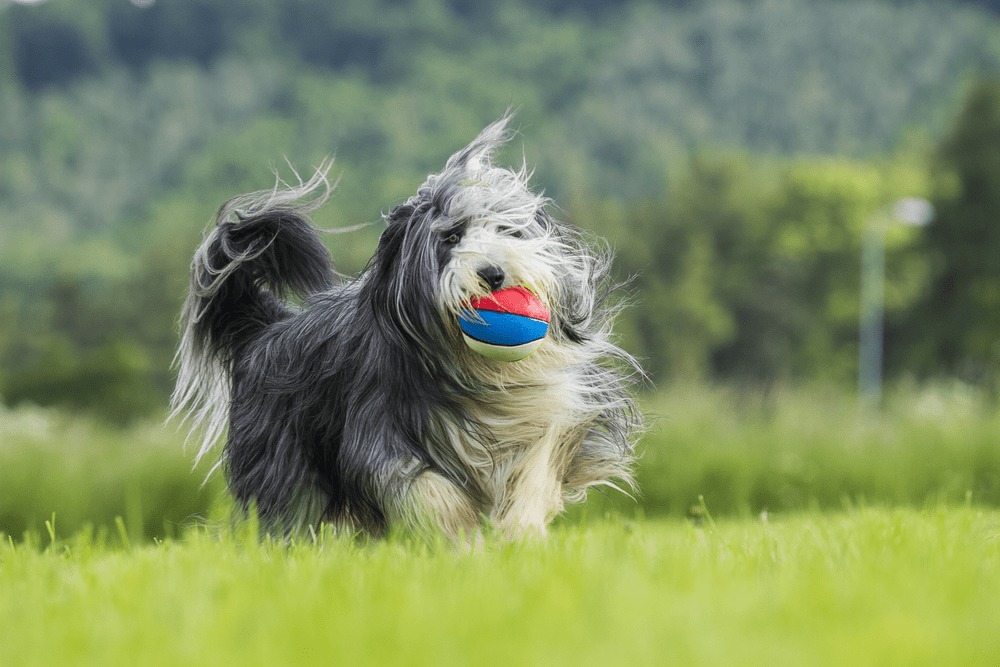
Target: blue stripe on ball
[[504, 328]]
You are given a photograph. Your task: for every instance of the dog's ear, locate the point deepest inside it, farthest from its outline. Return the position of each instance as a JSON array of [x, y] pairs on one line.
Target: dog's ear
[[479, 153], [401, 213], [390, 242]]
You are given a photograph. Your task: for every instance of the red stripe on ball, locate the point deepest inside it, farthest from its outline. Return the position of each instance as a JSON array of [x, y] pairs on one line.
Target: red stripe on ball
[[516, 300]]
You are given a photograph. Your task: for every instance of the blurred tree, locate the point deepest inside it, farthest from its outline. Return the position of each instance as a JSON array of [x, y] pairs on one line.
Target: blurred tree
[[48, 50], [192, 29], [677, 317], [133, 124], [99, 345], [956, 327], [748, 268], [8, 76], [991, 5], [112, 381]]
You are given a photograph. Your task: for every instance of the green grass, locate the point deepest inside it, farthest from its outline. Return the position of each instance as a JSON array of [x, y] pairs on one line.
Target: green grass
[[866, 587], [88, 474], [784, 451], [836, 537], [792, 449]]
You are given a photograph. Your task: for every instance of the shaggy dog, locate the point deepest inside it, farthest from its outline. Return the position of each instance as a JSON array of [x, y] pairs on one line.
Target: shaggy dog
[[357, 402]]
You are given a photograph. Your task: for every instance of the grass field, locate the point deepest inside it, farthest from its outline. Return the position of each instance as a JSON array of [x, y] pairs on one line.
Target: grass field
[[744, 452], [865, 587], [827, 535]]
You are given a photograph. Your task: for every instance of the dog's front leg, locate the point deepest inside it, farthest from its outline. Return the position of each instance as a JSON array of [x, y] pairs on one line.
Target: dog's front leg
[[432, 504], [533, 492]]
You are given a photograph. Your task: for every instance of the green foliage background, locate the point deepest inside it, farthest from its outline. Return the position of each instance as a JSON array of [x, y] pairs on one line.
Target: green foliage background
[[732, 153]]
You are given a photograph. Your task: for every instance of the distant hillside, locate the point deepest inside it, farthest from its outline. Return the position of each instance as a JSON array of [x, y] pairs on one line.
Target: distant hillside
[[730, 151], [108, 107]]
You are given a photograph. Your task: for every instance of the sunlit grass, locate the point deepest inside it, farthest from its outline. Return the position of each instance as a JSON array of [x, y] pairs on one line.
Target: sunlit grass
[[867, 587], [827, 535]]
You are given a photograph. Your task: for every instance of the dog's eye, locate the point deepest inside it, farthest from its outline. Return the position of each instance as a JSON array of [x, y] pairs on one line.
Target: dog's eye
[[453, 238]]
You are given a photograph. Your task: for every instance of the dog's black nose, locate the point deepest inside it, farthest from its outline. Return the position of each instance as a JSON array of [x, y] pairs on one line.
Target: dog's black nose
[[493, 276]]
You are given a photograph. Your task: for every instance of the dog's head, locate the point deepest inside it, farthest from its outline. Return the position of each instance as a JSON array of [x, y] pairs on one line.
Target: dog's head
[[471, 229]]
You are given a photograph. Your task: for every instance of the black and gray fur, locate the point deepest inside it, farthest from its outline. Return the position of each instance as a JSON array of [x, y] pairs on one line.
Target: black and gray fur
[[363, 406]]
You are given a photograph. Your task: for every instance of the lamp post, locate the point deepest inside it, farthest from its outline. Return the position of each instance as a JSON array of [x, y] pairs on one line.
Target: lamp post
[[911, 211]]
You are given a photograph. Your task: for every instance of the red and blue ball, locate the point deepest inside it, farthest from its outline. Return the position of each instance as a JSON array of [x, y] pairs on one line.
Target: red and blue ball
[[507, 325]]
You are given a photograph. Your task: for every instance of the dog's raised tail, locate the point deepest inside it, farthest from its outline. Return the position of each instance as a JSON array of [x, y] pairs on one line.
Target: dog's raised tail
[[262, 249]]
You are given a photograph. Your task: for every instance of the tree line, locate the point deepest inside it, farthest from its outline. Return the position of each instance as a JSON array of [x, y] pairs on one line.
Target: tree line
[[746, 269], [731, 160]]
